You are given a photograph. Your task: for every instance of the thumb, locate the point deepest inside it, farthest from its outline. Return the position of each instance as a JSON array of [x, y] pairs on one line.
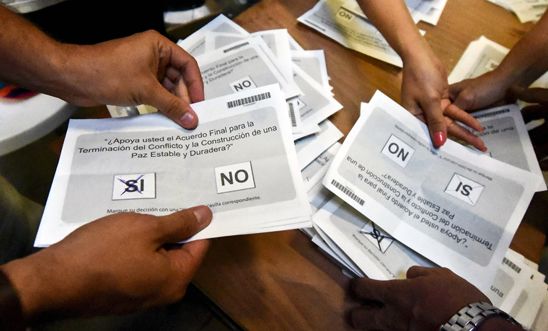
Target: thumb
[[418, 271], [173, 107], [183, 224], [533, 95]]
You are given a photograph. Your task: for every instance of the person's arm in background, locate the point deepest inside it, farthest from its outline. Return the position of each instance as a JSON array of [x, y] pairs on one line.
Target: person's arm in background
[[117, 264], [526, 62], [145, 68], [424, 86], [424, 301]]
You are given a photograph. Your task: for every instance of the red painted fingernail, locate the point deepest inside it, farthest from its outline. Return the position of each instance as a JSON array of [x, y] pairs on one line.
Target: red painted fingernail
[[439, 139]]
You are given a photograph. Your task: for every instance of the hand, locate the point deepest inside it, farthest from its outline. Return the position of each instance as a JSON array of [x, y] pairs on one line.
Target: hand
[[118, 263], [424, 301], [145, 68], [472, 94], [539, 135], [425, 94]]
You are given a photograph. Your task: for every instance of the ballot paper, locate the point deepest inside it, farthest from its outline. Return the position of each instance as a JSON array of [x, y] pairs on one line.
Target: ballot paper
[[377, 254], [507, 139], [357, 243], [454, 206], [350, 30], [313, 175], [314, 172], [276, 40], [428, 11], [148, 164], [530, 297], [309, 148], [242, 65], [525, 10], [195, 43], [481, 56], [314, 65], [315, 104]]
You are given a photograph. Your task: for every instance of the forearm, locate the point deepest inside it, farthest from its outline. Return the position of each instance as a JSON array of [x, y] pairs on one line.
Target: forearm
[[29, 57], [528, 59], [393, 20]]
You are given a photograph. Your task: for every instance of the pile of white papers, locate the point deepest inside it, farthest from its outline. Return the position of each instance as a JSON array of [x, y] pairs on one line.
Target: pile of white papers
[[401, 203], [345, 22], [525, 10], [232, 59], [267, 103]]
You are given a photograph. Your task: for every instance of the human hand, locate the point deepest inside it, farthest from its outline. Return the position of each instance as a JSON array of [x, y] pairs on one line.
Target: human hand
[[145, 68], [425, 94], [424, 301], [115, 264], [539, 135], [480, 92]]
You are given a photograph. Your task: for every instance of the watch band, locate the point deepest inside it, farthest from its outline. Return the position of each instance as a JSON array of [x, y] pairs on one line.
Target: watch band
[[471, 316]]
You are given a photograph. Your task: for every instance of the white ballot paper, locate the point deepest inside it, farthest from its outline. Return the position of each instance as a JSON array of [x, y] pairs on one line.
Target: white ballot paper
[[243, 65], [314, 65], [350, 30], [195, 43], [454, 206], [148, 164], [373, 251], [507, 139], [428, 11], [309, 148]]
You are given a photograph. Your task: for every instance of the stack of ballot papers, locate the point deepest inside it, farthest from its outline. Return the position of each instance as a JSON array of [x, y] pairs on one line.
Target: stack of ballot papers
[[389, 200], [399, 202], [266, 107], [345, 22], [525, 10]]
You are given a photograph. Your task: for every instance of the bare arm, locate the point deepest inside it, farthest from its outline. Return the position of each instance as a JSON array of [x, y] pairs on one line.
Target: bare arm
[[527, 61], [424, 88], [142, 68]]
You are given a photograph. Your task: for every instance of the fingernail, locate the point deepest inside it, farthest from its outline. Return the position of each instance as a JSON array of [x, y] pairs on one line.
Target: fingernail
[[188, 119], [439, 139], [203, 215]]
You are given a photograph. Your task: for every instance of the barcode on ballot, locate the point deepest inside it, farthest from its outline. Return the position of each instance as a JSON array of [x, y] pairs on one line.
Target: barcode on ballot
[[346, 191], [292, 114], [511, 265], [248, 100]]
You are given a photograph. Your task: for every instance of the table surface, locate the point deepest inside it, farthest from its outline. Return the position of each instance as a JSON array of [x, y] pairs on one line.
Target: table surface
[[280, 280]]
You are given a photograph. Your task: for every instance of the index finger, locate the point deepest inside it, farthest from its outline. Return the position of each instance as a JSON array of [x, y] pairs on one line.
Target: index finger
[[385, 291], [435, 120], [188, 67], [535, 94]]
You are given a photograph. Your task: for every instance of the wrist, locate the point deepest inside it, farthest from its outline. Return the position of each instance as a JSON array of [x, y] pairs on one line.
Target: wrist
[[414, 48], [473, 316], [27, 282], [11, 315]]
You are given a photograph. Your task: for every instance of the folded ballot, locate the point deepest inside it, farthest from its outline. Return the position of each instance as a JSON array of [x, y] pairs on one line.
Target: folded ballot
[[454, 206], [148, 164]]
